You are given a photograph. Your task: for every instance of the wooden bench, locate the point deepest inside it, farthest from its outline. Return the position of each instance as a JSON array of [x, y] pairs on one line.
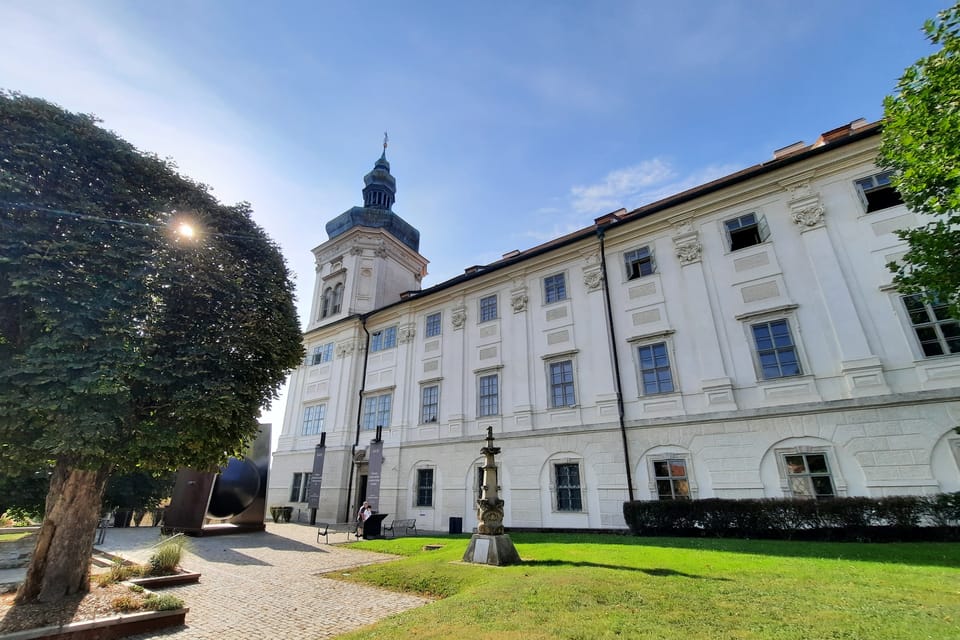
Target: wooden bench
[[401, 526]]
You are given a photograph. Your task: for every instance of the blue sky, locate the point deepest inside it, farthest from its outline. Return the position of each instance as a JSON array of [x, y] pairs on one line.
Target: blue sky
[[510, 123]]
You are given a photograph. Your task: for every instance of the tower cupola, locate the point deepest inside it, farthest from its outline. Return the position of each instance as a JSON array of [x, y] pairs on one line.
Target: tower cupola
[[379, 193], [380, 188]]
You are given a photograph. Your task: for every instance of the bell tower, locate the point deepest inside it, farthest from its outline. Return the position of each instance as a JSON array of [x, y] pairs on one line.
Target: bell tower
[[372, 255]]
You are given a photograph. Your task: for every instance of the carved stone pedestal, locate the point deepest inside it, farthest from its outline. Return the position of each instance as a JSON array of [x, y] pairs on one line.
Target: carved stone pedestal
[[497, 550]]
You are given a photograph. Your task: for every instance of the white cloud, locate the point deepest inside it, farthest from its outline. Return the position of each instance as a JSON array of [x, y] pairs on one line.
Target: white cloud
[[620, 186], [640, 184]]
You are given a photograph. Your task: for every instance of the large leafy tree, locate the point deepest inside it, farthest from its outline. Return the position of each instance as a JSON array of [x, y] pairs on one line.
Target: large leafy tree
[[921, 141], [124, 346]]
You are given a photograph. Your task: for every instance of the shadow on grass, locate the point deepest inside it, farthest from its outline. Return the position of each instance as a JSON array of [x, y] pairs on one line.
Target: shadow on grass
[[657, 573], [936, 554]]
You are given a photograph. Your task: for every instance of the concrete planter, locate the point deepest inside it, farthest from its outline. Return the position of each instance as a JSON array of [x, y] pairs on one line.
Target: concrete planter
[[158, 582], [16, 553], [118, 626]]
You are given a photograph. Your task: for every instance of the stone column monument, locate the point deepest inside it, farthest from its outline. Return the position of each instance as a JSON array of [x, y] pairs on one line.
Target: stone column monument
[[490, 545]]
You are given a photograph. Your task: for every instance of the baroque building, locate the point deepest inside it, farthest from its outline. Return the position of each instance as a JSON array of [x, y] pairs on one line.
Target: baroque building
[[741, 339]]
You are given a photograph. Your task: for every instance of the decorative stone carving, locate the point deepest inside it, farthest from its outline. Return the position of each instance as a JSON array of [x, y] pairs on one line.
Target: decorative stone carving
[[406, 333], [356, 251], [808, 216], [688, 248], [518, 300], [592, 278], [458, 317], [347, 347], [380, 251]]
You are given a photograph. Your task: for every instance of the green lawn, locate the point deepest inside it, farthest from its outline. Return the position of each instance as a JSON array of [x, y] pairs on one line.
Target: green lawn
[[601, 586], [10, 537]]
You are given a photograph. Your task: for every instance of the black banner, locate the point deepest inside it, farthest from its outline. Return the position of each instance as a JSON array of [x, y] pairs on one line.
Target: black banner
[[375, 462], [313, 489]]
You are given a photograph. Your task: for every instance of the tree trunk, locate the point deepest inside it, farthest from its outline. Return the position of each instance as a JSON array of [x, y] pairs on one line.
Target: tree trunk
[[60, 566]]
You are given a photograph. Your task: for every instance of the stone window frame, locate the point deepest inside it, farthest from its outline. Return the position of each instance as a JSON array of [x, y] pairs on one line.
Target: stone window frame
[[936, 324], [299, 484], [651, 339], [488, 308], [377, 396], [692, 488], [551, 289], [634, 259], [734, 236], [555, 464], [331, 301], [833, 468], [548, 363], [877, 183], [383, 339], [312, 425], [433, 325], [487, 373], [417, 487], [429, 384], [321, 354], [784, 312]]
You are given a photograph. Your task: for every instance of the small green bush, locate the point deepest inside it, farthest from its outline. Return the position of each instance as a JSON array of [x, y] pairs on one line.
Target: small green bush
[[166, 558], [136, 588], [126, 603], [165, 602], [856, 518]]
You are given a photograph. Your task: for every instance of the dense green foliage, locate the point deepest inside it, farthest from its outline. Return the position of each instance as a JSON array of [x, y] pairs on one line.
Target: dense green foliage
[[856, 518], [607, 586], [921, 141], [138, 490], [23, 493], [124, 346]]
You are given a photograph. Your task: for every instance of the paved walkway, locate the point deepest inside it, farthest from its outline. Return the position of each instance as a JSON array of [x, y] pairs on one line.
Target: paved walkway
[[267, 585]]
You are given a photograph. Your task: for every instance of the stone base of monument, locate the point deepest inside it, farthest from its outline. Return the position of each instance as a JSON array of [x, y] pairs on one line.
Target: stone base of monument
[[497, 550]]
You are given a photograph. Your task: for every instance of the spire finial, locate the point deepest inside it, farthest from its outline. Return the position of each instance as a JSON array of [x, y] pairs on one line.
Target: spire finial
[[386, 139]]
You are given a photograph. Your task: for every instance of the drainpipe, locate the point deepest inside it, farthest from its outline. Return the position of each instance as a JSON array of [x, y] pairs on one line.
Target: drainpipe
[[356, 441], [616, 363]]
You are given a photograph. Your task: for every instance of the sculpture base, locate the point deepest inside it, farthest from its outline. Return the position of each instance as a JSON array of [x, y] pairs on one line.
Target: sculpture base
[[489, 549]]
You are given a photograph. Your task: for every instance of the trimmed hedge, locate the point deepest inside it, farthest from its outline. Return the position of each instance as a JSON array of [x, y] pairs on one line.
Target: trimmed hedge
[[891, 518]]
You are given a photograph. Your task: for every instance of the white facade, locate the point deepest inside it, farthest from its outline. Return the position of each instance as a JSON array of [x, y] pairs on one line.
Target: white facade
[[757, 342]]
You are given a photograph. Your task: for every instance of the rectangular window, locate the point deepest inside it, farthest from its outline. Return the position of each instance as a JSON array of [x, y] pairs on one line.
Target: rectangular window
[[432, 326], [808, 475], [555, 288], [489, 404], [938, 333], [376, 411], [313, 419], [298, 490], [671, 479], [655, 374], [424, 487], [776, 352], [746, 231], [561, 384], [383, 339], [488, 308], [320, 354], [876, 192], [568, 487], [639, 263], [429, 403]]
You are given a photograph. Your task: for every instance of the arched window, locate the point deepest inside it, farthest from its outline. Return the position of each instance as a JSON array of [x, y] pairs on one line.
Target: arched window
[[337, 299], [327, 302]]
